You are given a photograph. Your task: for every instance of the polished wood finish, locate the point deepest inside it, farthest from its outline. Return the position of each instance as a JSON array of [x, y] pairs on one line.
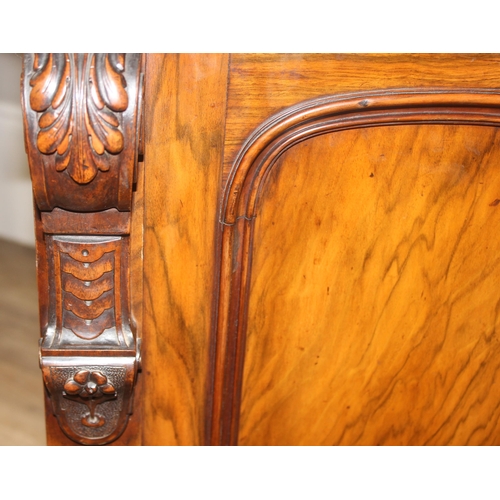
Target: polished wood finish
[[313, 249], [82, 133], [244, 192], [261, 85], [185, 110], [379, 326]]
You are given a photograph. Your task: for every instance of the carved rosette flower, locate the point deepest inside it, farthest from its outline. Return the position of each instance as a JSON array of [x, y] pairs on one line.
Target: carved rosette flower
[[80, 99], [87, 384], [90, 388]]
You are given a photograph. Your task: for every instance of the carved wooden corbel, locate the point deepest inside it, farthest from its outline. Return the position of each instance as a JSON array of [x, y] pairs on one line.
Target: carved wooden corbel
[[82, 124]]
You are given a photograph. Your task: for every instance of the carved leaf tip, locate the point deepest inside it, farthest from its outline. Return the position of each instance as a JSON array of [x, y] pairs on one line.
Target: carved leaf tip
[[111, 82], [46, 81], [83, 173]]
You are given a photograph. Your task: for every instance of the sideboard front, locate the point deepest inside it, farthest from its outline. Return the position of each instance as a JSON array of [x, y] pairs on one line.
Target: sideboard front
[[302, 248]]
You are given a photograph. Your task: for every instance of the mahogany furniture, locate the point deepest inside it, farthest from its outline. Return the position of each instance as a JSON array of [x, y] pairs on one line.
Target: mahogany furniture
[[267, 249]]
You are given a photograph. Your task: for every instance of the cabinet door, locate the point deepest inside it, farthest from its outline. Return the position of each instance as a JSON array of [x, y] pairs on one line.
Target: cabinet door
[[358, 299], [371, 298], [313, 257]]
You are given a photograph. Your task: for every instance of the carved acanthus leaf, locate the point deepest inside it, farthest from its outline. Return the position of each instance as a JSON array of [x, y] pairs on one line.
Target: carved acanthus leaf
[[80, 98]]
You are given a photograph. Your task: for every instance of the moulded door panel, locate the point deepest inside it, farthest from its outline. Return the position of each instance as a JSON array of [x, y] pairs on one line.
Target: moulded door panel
[[305, 253], [373, 299]]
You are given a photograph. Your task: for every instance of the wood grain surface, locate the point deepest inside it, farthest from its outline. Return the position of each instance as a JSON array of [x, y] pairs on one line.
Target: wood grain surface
[[372, 297], [263, 84], [373, 308], [185, 110]]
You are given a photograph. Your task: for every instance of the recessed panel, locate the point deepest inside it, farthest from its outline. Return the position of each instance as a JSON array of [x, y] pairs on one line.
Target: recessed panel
[[374, 296]]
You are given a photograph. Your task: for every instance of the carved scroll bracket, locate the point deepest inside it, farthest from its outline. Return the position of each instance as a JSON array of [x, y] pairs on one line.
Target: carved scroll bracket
[[82, 133]]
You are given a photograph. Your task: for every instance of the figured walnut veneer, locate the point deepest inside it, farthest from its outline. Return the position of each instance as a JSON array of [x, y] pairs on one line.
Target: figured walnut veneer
[[291, 134], [308, 252]]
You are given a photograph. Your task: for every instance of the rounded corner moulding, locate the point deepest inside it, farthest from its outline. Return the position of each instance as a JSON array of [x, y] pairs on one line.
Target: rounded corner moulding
[[253, 163], [343, 112]]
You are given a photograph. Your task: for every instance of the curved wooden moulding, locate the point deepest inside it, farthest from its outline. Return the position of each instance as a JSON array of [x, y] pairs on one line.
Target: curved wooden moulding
[[243, 195], [82, 133]]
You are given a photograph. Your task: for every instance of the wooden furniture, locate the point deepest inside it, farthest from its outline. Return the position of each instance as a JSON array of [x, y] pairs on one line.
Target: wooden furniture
[[292, 249]]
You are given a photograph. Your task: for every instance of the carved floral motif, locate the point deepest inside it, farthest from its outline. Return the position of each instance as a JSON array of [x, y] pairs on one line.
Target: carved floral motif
[[80, 98], [92, 402], [90, 388]]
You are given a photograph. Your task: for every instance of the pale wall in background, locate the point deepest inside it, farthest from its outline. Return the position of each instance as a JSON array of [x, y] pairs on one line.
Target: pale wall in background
[[16, 198]]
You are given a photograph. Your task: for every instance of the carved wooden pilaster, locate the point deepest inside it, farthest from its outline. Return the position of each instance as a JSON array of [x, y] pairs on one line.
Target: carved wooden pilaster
[[82, 124]]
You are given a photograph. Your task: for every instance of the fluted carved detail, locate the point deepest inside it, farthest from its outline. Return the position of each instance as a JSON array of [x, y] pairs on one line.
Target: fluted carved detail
[[82, 127], [87, 275]]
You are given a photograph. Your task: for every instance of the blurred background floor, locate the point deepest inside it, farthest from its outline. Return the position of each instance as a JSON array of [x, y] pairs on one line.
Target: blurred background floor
[[22, 420]]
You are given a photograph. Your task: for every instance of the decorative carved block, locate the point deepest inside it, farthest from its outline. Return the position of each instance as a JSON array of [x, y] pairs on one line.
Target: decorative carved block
[[92, 402], [102, 87], [87, 274], [82, 123]]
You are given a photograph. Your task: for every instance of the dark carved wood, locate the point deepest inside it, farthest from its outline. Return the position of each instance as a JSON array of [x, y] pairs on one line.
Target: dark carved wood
[[242, 196], [82, 123], [81, 129]]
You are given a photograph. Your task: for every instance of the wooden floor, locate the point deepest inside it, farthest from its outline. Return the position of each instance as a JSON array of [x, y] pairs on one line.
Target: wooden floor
[[21, 392]]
